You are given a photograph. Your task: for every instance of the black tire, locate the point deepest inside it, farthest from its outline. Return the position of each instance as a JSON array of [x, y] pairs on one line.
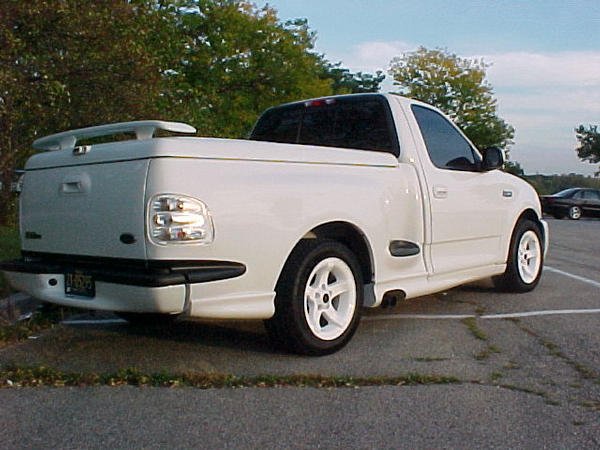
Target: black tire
[[290, 327], [517, 277], [147, 319], [575, 212]]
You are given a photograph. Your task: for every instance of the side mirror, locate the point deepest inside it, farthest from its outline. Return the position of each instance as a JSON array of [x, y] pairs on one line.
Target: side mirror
[[493, 158]]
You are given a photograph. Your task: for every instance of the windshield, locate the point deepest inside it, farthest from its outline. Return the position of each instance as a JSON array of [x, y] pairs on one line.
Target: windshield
[[565, 193]]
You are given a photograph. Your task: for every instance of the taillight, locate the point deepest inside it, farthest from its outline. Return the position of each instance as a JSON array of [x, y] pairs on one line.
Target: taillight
[[179, 219]]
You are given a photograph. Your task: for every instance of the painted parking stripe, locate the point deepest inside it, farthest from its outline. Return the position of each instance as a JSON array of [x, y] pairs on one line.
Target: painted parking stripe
[[432, 316], [419, 316], [571, 275], [552, 312], [92, 322]]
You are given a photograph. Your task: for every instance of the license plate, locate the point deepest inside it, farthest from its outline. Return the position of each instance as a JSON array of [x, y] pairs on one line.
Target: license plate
[[80, 284]]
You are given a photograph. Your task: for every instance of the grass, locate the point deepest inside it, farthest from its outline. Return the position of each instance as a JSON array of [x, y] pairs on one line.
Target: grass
[[477, 333], [428, 359], [474, 329], [487, 352], [47, 317], [10, 246], [17, 376], [547, 399], [511, 366], [554, 350]]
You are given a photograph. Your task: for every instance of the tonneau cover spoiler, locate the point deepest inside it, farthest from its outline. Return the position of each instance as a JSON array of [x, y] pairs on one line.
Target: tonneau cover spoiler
[[143, 129]]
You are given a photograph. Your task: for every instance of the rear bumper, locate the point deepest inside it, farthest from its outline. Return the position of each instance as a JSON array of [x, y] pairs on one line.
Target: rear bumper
[[155, 273], [120, 285], [50, 287]]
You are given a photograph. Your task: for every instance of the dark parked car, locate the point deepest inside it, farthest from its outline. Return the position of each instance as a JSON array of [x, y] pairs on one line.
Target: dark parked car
[[574, 203]]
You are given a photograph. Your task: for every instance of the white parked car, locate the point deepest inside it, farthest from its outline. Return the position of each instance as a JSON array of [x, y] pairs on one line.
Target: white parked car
[[332, 205]]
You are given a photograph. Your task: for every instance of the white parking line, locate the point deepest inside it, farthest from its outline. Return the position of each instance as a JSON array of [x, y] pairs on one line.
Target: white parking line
[[419, 316], [570, 275], [551, 312], [92, 322]]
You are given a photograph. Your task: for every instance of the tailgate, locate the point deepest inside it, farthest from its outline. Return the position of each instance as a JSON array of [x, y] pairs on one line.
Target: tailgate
[[95, 209]]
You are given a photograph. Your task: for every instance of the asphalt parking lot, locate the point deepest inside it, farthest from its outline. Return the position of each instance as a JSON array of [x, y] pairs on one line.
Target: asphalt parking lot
[[528, 368]]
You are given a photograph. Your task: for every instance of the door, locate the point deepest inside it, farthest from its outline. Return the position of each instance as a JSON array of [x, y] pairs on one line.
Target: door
[[591, 202], [468, 207]]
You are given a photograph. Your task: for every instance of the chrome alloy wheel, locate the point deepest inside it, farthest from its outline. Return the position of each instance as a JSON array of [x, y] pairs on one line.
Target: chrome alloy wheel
[[330, 299], [575, 212], [529, 259]]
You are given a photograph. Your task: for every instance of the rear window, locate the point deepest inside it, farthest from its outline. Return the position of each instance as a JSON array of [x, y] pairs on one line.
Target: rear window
[[359, 122]]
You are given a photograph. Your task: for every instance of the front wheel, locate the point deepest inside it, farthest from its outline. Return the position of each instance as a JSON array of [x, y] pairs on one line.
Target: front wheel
[[525, 259], [574, 213], [319, 297]]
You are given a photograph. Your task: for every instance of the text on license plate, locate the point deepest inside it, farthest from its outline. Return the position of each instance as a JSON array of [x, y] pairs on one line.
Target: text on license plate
[[78, 283]]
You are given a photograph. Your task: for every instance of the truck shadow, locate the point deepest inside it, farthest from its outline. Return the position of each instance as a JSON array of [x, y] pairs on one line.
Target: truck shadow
[[244, 336]]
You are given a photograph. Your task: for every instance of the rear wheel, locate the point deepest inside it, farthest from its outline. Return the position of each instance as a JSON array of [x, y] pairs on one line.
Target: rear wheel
[[319, 297], [574, 212], [525, 259]]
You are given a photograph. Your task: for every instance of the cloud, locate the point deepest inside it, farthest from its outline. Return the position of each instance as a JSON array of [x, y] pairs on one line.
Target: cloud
[[558, 102], [373, 55], [543, 95], [558, 69]]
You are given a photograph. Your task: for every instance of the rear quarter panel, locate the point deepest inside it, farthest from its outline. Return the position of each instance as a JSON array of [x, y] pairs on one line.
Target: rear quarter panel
[[262, 209]]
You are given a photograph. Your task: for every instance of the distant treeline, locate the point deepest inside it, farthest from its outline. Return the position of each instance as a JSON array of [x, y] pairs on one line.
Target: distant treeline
[[550, 184]]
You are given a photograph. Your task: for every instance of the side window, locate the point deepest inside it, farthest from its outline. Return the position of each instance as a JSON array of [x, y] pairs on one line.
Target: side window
[[592, 195], [578, 195], [447, 148]]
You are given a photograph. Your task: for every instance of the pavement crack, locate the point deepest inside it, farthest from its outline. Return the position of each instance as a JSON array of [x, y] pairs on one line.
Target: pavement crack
[[554, 350]]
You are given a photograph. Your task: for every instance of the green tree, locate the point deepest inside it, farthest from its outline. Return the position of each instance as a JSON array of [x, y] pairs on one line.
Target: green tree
[[240, 60], [458, 87], [346, 82], [589, 144], [72, 63], [214, 63], [514, 167], [550, 184]]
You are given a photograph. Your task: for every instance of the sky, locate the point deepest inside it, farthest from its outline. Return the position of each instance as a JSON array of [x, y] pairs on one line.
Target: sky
[[544, 56]]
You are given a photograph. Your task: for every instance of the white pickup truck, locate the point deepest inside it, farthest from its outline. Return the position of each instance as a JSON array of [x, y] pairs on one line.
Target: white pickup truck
[[332, 205]]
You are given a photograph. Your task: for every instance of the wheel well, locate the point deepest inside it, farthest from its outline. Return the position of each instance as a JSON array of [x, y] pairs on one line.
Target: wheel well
[[352, 238], [530, 214]]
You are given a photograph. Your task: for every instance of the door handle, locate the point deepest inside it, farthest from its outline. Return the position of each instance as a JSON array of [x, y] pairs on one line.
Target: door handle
[[440, 192], [75, 184], [71, 187]]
